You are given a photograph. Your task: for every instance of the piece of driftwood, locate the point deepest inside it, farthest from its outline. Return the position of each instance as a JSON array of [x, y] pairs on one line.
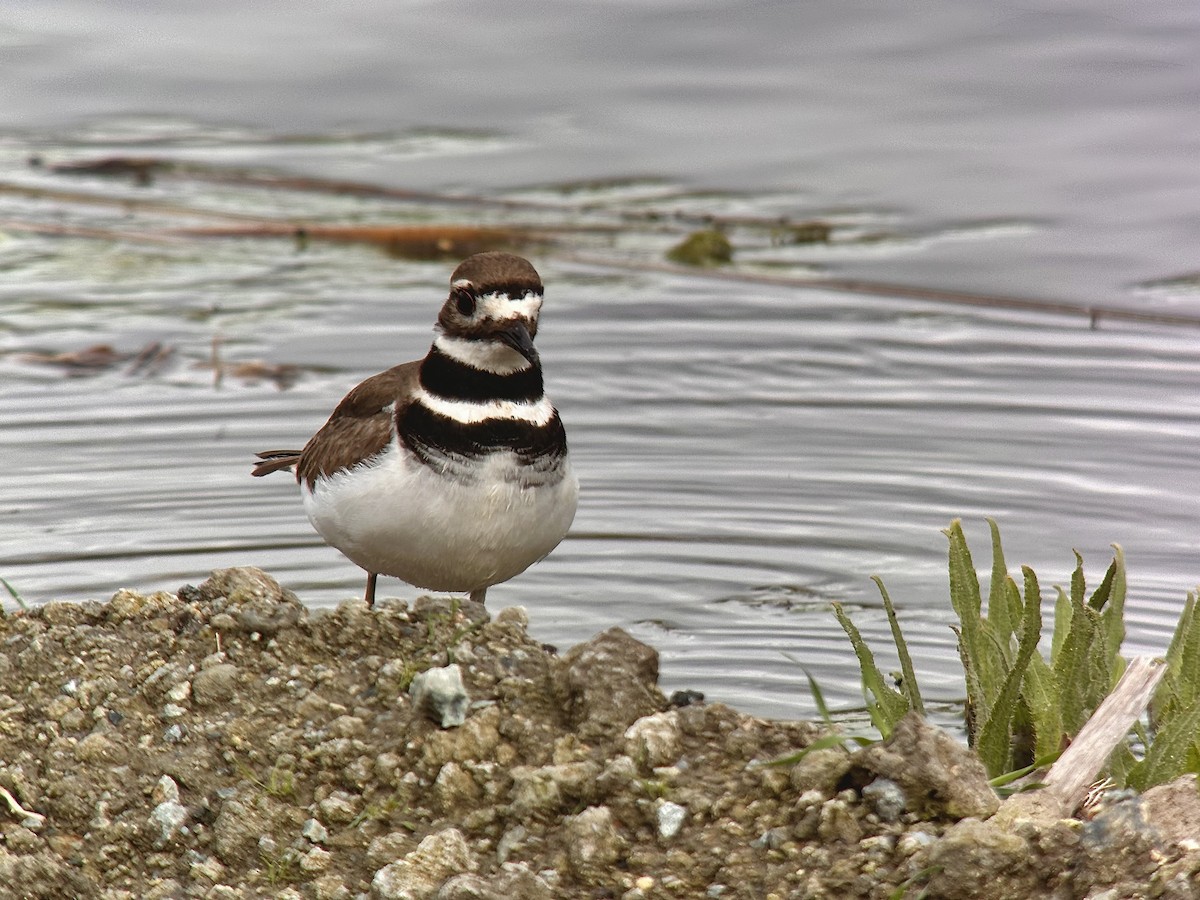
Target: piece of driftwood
[[1067, 782]]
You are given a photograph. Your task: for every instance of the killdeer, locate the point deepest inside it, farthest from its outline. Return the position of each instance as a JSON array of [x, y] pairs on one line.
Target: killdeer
[[450, 472]]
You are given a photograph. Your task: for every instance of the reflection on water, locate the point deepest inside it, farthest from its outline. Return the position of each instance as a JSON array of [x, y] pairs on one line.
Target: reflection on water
[[748, 451]]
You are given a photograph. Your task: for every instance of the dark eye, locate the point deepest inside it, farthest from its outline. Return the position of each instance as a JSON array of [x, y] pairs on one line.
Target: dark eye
[[465, 301]]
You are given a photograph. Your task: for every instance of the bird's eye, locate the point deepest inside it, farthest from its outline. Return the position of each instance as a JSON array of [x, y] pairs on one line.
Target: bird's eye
[[465, 301]]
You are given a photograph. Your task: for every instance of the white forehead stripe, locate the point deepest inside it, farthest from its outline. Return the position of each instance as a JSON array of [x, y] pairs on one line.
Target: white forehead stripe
[[472, 412], [501, 306], [486, 356]]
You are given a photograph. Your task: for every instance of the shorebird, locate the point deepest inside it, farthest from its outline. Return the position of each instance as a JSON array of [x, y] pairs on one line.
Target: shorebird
[[449, 472]]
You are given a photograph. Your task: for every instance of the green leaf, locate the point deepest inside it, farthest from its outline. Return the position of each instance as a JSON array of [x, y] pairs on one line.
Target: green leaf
[[1078, 583], [1104, 593], [1042, 761], [1181, 687], [1040, 692], [1171, 751], [995, 740], [889, 705], [1004, 615], [818, 698], [1062, 625], [908, 676], [1073, 668], [983, 659], [821, 743], [1113, 617], [12, 592]]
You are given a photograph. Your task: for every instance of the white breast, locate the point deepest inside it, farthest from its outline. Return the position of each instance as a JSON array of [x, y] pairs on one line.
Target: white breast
[[399, 517]]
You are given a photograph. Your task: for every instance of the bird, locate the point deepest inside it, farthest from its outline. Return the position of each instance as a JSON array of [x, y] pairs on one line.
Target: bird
[[449, 472]]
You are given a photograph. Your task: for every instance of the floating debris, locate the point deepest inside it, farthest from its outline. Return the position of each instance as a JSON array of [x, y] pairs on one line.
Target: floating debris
[[708, 247]]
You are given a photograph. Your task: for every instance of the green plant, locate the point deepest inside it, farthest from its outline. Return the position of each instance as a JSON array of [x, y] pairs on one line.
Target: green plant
[[1172, 739], [12, 592], [1023, 708]]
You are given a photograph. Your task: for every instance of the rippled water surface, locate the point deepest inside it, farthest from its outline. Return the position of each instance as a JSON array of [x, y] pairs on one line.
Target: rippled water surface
[[750, 450]]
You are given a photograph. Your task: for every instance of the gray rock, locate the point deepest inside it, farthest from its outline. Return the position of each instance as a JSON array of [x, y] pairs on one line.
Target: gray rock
[[973, 855], [611, 682], [546, 788], [1175, 808], [253, 599], [169, 819], [420, 873], [441, 695], [821, 770], [314, 832], [940, 777], [886, 799], [670, 818]]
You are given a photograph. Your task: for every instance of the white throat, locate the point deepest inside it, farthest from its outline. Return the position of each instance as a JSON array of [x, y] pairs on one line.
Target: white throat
[[487, 356]]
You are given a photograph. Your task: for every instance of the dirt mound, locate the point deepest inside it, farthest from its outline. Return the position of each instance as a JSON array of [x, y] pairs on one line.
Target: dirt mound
[[227, 743]]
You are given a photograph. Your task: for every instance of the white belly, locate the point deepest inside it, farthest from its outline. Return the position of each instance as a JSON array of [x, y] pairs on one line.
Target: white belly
[[399, 517]]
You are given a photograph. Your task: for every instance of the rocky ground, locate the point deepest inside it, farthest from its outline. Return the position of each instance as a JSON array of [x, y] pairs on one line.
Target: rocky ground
[[227, 743]]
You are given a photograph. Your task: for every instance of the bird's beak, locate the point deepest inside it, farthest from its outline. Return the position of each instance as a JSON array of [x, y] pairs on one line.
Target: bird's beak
[[517, 336]]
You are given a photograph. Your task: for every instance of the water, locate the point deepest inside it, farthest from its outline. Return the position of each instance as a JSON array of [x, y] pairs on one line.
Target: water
[[749, 452]]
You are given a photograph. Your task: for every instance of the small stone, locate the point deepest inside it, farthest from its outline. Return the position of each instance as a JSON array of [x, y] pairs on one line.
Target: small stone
[[513, 615], [314, 832], [772, 839], [593, 845], [166, 789], [420, 873], [821, 770], [170, 817], [670, 819], [654, 740], [236, 832], [837, 823], [253, 598], [126, 604], [913, 841], [886, 799], [98, 749], [546, 788], [339, 808], [441, 695], [330, 887], [510, 841], [180, 692], [209, 868], [454, 787], [215, 685], [315, 860]]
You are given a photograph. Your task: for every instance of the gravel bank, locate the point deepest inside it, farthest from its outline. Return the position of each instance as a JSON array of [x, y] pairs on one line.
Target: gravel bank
[[227, 743]]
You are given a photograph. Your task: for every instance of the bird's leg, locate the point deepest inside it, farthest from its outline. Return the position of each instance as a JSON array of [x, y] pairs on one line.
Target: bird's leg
[[477, 596], [370, 595]]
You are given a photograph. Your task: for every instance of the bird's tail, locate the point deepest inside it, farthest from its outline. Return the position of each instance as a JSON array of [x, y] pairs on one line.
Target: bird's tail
[[274, 460]]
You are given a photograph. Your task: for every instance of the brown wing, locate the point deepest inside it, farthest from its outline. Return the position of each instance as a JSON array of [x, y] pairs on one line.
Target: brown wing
[[361, 426]]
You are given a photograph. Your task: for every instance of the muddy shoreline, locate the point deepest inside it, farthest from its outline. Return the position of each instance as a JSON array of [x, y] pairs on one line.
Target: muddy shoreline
[[225, 742]]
